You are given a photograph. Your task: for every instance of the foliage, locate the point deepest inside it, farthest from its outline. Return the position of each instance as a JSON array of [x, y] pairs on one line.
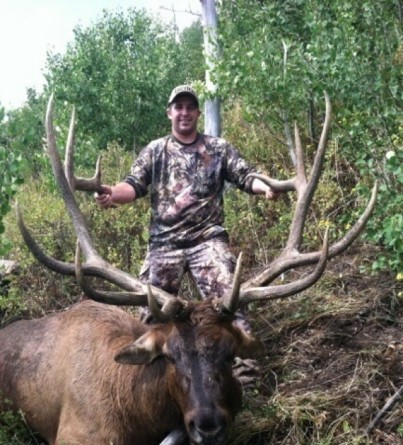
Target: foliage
[[24, 131], [13, 430], [118, 73], [10, 180], [21, 153], [190, 50], [279, 56], [12, 305]]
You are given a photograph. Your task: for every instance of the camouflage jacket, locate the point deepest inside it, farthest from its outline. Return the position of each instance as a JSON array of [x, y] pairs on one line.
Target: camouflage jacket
[[186, 186]]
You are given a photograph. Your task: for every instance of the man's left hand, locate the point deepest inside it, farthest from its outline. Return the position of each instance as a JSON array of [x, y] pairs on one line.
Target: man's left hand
[[271, 194]]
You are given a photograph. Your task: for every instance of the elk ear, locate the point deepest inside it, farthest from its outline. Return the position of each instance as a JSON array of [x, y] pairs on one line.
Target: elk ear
[[249, 346], [144, 350]]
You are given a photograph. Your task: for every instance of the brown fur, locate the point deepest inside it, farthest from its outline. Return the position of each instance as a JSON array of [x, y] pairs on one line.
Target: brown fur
[[60, 371]]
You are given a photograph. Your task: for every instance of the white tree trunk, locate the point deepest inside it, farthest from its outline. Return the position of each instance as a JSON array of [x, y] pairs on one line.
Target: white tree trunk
[[212, 124]]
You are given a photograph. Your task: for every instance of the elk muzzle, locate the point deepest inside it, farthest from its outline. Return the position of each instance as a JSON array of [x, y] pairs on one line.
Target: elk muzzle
[[207, 426]]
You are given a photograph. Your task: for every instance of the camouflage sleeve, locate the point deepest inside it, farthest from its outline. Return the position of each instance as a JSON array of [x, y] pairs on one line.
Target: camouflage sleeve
[[237, 169], [140, 174]]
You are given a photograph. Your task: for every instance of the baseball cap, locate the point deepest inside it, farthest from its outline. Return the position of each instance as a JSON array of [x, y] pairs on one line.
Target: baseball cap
[[183, 90]]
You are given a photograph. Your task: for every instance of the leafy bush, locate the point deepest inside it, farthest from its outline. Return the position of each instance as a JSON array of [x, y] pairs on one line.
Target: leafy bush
[[10, 180], [276, 61], [119, 72]]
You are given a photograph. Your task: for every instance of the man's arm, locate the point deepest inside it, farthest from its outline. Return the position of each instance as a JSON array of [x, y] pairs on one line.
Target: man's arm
[[121, 193]]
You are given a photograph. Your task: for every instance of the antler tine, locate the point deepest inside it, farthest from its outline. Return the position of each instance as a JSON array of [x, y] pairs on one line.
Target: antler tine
[[65, 190], [69, 156], [291, 257], [172, 309], [77, 183], [346, 241], [277, 185], [300, 158], [286, 290], [288, 185], [93, 184], [49, 262], [90, 184], [230, 302], [305, 189]]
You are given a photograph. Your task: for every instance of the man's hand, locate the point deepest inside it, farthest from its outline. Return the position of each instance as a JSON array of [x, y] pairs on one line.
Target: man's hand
[[271, 194], [110, 196], [104, 197]]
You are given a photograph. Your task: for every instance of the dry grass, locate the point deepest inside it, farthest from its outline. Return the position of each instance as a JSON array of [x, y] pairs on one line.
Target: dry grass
[[334, 358]]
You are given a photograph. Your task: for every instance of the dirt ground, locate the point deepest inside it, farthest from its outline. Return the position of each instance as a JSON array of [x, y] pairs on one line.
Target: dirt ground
[[334, 359]]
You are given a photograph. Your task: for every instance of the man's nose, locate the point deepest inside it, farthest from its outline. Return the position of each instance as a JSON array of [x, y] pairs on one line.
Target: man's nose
[[186, 110]]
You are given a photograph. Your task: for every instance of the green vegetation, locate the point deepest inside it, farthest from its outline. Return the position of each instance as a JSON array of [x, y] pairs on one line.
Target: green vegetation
[[11, 167], [13, 431], [279, 56]]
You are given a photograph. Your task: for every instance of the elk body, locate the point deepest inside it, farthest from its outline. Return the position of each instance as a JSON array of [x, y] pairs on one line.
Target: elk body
[[94, 375]]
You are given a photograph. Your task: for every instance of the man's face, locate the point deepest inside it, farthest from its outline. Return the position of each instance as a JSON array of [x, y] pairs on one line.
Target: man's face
[[184, 115]]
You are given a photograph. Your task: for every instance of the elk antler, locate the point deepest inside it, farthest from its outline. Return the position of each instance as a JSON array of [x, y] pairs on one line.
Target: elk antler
[[76, 183], [135, 292], [256, 288]]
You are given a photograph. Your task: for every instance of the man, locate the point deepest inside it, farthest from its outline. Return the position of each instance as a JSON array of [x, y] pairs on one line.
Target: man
[[185, 174]]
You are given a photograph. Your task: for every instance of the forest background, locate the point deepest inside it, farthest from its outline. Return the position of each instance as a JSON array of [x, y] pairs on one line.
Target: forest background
[[276, 59]]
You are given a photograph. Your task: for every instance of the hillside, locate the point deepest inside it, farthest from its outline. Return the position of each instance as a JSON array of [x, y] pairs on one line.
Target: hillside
[[334, 358]]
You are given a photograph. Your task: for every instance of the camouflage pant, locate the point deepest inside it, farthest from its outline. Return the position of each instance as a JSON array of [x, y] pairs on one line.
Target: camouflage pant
[[210, 264]]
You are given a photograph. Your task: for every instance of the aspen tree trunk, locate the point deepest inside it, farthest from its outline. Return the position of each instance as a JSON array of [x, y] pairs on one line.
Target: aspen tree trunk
[[212, 124]]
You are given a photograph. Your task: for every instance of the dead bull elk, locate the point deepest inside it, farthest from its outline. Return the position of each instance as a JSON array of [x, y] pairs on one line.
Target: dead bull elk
[[95, 375]]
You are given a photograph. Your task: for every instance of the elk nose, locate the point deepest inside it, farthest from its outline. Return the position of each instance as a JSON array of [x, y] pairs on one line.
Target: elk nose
[[207, 431]]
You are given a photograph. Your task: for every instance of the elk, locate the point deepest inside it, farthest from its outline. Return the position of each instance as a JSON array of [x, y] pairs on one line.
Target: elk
[[93, 374]]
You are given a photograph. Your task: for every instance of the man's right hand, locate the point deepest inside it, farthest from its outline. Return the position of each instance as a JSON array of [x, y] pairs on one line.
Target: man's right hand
[[104, 197], [109, 196]]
